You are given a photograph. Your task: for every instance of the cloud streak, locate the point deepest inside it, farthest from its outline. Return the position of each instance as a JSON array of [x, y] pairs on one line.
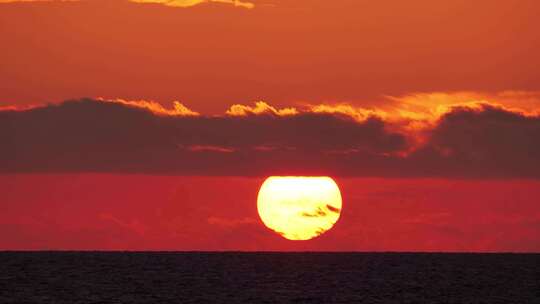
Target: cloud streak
[[479, 140], [172, 3], [189, 3]]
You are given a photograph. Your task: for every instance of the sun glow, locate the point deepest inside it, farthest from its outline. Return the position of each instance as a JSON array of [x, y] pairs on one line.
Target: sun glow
[[299, 207]]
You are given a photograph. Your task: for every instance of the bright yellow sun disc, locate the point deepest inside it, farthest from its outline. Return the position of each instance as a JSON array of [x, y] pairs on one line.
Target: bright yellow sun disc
[[299, 207]]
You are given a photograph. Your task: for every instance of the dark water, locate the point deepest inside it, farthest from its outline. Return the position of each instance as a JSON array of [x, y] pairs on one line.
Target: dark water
[[74, 277]]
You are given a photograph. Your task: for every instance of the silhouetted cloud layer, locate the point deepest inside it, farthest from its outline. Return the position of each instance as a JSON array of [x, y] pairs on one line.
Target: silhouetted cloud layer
[[480, 140]]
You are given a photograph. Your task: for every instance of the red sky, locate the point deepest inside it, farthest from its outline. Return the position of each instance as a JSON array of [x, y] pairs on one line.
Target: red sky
[[425, 112], [139, 212]]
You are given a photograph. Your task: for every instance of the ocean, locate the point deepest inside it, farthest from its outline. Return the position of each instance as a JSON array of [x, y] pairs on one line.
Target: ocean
[[235, 277]]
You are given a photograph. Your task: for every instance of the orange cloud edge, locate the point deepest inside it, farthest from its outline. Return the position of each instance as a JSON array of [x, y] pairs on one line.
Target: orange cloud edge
[[414, 110]]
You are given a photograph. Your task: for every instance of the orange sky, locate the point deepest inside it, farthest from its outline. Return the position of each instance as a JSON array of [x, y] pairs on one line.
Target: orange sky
[[212, 55]]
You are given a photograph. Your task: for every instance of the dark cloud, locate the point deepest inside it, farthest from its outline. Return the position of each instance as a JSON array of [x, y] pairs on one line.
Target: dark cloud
[[482, 141], [316, 213], [95, 136], [333, 209]]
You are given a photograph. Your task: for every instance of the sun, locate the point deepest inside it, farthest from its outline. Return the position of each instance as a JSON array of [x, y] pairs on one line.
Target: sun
[[299, 207]]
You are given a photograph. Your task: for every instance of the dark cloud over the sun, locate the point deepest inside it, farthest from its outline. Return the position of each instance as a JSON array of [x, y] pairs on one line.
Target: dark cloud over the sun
[[97, 136]]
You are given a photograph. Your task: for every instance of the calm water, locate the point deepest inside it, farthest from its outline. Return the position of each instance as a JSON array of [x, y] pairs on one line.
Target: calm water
[[74, 277]]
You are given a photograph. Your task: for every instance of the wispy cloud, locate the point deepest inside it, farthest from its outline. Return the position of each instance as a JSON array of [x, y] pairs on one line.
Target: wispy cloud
[[188, 3], [173, 3]]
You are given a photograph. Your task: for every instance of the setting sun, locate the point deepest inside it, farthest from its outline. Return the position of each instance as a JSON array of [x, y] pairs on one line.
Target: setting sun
[[298, 207]]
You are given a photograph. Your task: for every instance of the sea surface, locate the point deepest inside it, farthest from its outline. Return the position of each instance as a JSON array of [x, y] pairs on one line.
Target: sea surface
[[143, 277]]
